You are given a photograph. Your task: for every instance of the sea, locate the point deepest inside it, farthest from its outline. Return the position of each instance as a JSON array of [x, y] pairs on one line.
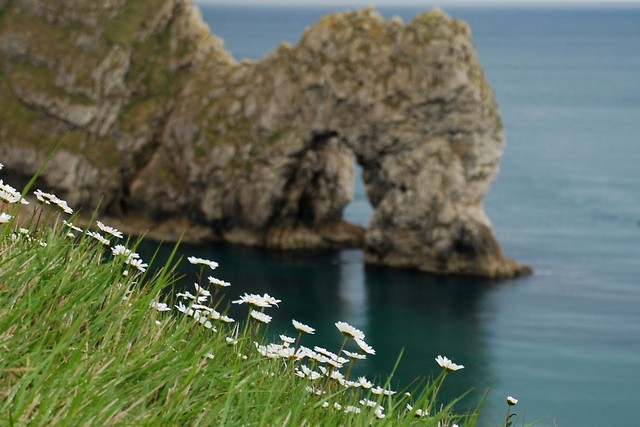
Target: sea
[[564, 341]]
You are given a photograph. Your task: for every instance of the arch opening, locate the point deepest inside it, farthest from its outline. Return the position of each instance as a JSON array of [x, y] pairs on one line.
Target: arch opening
[[359, 209]]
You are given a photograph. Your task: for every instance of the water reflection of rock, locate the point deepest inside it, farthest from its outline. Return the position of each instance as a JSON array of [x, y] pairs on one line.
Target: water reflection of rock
[[427, 316]]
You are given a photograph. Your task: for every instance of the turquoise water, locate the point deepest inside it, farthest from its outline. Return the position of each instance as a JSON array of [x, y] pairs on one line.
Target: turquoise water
[[565, 341]]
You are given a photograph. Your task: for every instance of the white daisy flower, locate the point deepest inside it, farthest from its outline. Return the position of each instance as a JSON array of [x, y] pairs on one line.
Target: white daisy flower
[[305, 352], [226, 319], [337, 406], [310, 373], [349, 384], [336, 375], [302, 328], [325, 352], [271, 300], [353, 409], [118, 250], [189, 295], [71, 226], [369, 403], [184, 309], [218, 283], [419, 412], [48, 198], [337, 364], [43, 197], [260, 317], [364, 383], [364, 346], [4, 218], [209, 355], [262, 349], [99, 237], [447, 364], [63, 206], [8, 194], [379, 390], [349, 331], [138, 264], [109, 230], [186, 295], [231, 341], [7, 197], [201, 291], [511, 401], [201, 261], [160, 306], [290, 353], [272, 351], [380, 414], [209, 310], [214, 314], [354, 356], [253, 300], [208, 325], [342, 360], [316, 356], [287, 340]]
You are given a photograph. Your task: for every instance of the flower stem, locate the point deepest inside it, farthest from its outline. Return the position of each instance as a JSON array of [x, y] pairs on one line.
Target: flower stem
[[506, 420], [346, 375], [342, 346], [435, 395], [295, 346]]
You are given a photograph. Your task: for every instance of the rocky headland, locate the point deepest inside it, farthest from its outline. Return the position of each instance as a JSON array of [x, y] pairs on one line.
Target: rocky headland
[[162, 130]]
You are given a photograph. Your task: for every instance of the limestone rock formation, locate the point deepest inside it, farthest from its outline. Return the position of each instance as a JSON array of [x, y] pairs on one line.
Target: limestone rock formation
[[157, 121]]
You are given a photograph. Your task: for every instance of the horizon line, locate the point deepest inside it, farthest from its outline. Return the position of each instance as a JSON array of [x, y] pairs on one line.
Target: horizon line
[[422, 3]]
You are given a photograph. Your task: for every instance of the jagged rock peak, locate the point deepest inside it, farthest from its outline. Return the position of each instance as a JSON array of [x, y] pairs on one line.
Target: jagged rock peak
[[160, 125]]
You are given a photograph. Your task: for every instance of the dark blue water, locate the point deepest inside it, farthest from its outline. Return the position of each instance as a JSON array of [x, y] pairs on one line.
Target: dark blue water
[[565, 341]]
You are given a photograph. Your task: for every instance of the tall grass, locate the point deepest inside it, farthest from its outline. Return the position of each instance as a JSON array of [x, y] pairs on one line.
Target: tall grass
[[89, 336]]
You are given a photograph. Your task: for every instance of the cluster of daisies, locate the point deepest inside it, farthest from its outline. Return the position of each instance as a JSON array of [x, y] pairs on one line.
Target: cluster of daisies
[[104, 233], [9, 196], [325, 371]]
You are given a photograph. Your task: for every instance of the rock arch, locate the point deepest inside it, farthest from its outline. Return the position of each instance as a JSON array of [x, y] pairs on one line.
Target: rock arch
[[167, 125]]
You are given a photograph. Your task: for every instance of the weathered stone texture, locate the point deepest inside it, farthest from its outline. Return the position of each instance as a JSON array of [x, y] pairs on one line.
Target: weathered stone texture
[[157, 119]]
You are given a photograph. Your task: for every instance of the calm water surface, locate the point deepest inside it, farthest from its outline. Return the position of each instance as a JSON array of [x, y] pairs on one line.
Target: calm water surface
[[565, 341]]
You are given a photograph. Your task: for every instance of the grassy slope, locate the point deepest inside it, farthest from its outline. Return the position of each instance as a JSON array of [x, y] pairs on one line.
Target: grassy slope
[[80, 345]]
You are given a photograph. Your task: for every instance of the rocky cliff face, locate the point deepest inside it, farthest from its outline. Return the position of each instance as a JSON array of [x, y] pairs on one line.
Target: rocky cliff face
[[157, 121]]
